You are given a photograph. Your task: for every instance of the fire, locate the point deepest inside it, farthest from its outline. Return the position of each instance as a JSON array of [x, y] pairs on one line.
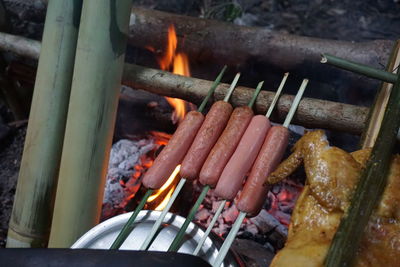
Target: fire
[[171, 180], [179, 64]]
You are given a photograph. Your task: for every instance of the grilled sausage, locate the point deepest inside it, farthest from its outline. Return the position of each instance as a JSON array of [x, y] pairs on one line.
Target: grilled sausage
[[174, 151], [205, 139], [254, 192], [225, 146], [243, 158]]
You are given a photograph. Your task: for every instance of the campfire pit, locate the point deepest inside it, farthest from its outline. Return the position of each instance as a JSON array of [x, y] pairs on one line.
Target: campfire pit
[[130, 158]]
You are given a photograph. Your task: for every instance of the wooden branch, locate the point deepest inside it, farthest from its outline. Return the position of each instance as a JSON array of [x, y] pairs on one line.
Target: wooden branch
[[225, 43], [21, 46], [312, 113]]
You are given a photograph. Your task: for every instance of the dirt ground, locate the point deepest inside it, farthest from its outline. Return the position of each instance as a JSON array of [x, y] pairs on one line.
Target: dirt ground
[[10, 157]]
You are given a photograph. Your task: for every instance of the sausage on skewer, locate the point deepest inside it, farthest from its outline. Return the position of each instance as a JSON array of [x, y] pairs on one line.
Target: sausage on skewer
[[214, 123], [174, 152], [156, 177], [224, 151], [246, 152], [253, 195], [225, 146], [243, 158]]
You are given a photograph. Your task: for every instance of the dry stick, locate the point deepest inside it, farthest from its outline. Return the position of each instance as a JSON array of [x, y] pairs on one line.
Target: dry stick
[[312, 113], [128, 227], [222, 204], [182, 182], [236, 226], [176, 243]]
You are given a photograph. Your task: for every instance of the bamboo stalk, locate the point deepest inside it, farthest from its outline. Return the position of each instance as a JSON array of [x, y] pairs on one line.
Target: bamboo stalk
[[91, 118], [359, 68], [369, 190], [377, 110], [32, 211]]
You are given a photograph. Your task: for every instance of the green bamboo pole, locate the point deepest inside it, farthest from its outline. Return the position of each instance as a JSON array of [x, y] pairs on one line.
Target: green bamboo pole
[[377, 110], [359, 68], [32, 212], [91, 118], [369, 189]]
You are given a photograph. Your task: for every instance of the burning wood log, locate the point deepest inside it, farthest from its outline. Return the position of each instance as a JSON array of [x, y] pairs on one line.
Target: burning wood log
[[312, 113], [206, 41]]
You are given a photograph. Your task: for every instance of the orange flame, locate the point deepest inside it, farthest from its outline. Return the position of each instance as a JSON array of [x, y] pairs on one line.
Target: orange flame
[[179, 63], [167, 185]]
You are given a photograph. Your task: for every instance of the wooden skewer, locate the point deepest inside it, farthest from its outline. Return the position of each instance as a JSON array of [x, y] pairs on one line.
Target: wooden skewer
[[236, 226]]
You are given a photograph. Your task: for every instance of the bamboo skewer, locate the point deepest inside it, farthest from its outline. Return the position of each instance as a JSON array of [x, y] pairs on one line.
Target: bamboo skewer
[[128, 227], [222, 204], [178, 238], [37, 182], [182, 182], [210, 227], [277, 94], [176, 243], [236, 226]]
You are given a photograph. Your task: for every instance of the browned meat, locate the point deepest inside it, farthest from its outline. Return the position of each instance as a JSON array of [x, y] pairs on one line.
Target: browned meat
[[331, 176]]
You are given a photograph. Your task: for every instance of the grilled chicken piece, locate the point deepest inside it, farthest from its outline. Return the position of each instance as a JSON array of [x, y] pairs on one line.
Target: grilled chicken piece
[[331, 177]]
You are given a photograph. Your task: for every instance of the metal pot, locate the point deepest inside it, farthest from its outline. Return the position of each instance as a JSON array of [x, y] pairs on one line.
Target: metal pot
[[102, 236]]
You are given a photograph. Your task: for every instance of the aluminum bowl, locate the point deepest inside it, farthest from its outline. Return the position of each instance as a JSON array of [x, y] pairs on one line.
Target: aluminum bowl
[[102, 236]]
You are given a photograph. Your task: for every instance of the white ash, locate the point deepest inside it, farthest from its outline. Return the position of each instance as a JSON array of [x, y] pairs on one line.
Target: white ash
[[122, 178]]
